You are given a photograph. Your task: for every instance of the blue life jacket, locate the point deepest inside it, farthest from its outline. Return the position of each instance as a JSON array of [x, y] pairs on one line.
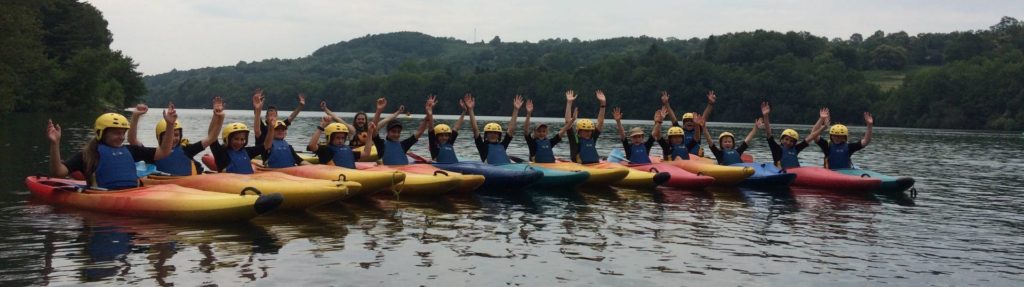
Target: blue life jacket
[[838, 156], [688, 137], [280, 155], [393, 153], [730, 156], [177, 163], [239, 162], [115, 168], [679, 151], [496, 154], [544, 153], [588, 151], [789, 157], [446, 153], [343, 156], [638, 154]]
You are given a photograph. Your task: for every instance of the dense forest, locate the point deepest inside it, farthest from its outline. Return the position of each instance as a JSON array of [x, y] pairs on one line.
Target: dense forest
[[55, 55]]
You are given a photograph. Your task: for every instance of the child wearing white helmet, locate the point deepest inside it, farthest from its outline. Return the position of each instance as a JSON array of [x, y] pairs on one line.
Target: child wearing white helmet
[[492, 144], [729, 153], [105, 161], [537, 142], [785, 155], [181, 161], [442, 137], [583, 138], [636, 148], [837, 150], [691, 129]]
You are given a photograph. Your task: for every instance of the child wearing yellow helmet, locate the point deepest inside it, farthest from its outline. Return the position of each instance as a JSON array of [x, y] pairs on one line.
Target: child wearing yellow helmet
[[837, 150], [234, 155], [277, 153], [391, 149], [583, 138], [336, 151], [537, 141], [442, 138], [181, 161], [636, 148], [493, 143], [785, 155], [729, 153], [105, 161], [691, 130]]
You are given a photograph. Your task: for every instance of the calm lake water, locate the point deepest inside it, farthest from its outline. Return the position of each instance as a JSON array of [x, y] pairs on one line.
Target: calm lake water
[[965, 229]]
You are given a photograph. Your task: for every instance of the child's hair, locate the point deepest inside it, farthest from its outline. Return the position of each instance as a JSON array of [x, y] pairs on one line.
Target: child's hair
[[90, 158]]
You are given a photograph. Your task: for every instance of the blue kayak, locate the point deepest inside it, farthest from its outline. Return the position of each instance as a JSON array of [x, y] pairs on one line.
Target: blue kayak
[[553, 178], [766, 175], [495, 177], [890, 184]]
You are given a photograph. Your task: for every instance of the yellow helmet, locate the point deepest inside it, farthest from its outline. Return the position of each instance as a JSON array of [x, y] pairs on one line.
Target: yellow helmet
[[280, 124], [687, 116], [675, 131], [161, 127], [791, 133], [231, 128], [492, 127], [725, 134], [838, 130], [335, 128], [444, 129], [585, 124], [109, 120]]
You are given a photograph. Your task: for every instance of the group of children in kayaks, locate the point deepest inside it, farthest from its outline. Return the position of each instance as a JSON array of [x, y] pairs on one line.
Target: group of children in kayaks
[[106, 162]]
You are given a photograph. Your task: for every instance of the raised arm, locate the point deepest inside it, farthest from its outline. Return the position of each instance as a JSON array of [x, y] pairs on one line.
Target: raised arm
[[702, 125], [517, 103], [295, 113], [428, 120], [171, 116], [668, 108], [381, 104], [758, 124], [870, 121], [371, 129], [470, 104], [257, 107], [458, 123], [617, 115], [529, 111], [819, 126], [765, 110], [659, 116], [133, 128], [570, 97], [314, 140], [336, 118], [216, 122], [568, 125], [600, 112], [57, 167], [711, 104], [268, 141]]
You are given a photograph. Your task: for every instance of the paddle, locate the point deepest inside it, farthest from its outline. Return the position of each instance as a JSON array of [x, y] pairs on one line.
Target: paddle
[[417, 158], [618, 156]]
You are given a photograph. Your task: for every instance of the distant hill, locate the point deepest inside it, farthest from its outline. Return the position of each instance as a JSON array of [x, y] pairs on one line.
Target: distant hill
[[965, 79]]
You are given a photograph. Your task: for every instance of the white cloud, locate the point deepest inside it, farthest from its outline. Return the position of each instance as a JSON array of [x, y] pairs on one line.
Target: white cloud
[[165, 35]]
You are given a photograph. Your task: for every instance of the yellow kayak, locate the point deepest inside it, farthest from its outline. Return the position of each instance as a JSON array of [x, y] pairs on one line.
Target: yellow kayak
[[724, 175], [419, 183], [601, 174], [371, 181], [299, 193], [639, 179]]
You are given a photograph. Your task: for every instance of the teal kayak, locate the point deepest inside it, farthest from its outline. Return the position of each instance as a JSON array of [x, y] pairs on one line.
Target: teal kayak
[[890, 184], [552, 178]]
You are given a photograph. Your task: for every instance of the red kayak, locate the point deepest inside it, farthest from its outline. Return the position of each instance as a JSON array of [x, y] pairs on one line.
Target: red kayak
[[825, 179], [678, 178]]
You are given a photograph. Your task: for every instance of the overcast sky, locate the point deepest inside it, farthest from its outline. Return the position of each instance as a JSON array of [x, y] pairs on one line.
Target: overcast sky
[[187, 34]]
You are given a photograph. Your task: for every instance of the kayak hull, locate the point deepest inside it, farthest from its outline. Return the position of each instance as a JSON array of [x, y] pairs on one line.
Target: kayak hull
[[824, 179], [159, 201], [890, 184], [466, 182], [678, 177], [724, 175], [371, 181], [419, 182], [640, 179], [299, 193], [600, 174], [495, 177], [552, 178], [766, 175]]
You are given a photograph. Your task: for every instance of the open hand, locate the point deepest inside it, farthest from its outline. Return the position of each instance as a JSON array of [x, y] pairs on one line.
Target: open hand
[[469, 101], [765, 108], [517, 102], [570, 95], [381, 104], [698, 119], [218, 106], [617, 114], [429, 106], [600, 96], [664, 98], [302, 99], [868, 119], [659, 115], [257, 99], [529, 106], [823, 113], [52, 132], [711, 97]]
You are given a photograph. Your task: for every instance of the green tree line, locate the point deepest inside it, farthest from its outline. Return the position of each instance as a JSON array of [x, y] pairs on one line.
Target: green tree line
[[55, 55]]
